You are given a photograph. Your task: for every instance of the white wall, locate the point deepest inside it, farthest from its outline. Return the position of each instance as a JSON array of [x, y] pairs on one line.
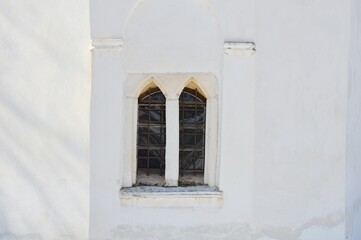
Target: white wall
[[44, 119], [353, 163], [300, 109], [282, 115]]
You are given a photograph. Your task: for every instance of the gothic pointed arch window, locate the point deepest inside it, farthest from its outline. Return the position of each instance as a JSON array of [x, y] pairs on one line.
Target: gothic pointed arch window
[[170, 130], [151, 137], [192, 132]]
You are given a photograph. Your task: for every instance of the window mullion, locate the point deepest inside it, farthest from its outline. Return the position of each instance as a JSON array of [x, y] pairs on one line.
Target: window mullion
[[172, 143]]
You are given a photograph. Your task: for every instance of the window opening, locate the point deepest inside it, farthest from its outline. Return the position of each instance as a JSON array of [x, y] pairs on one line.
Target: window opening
[[192, 125], [151, 137]]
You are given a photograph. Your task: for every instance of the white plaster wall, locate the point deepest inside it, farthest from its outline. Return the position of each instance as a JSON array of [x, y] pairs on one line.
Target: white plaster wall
[[353, 163], [44, 119], [172, 36], [300, 110], [282, 140]]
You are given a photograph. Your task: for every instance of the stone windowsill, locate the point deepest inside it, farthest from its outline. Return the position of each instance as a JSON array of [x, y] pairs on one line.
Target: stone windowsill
[[171, 197], [196, 192]]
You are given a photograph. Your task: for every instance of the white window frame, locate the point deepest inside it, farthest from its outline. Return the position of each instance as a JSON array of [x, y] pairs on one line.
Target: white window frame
[[172, 86]]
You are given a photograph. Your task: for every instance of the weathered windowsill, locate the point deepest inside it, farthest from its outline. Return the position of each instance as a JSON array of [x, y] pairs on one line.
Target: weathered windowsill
[[187, 192], [192, 196]]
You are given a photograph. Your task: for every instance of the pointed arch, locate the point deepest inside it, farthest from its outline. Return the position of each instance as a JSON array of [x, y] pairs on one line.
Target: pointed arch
[[150, 82], [193, 83], [204, 161], [151, 136], [192, 134]]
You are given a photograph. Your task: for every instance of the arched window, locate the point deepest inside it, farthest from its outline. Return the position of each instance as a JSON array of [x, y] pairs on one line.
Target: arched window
[[192, 127], [168, 140], [151, 137]]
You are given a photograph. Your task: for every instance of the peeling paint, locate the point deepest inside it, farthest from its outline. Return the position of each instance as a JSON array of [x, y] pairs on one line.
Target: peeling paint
[[284, 233], [230, 231], [226, 231]]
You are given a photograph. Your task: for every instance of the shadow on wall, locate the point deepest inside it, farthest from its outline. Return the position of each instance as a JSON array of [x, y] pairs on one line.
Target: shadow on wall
[[44, 109]]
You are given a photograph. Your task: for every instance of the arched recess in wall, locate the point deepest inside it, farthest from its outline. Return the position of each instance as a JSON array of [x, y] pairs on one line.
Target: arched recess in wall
[[161, 36]]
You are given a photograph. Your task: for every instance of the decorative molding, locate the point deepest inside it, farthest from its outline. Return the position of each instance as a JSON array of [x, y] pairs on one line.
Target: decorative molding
[[239, 48], [230, 48], [107, 44]]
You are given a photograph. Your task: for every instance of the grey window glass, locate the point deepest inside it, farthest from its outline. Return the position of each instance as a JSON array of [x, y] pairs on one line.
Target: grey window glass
[[151, 132], [192, 111]]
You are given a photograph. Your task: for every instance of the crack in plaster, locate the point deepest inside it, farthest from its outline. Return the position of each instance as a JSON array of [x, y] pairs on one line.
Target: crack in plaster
[[284, 233]]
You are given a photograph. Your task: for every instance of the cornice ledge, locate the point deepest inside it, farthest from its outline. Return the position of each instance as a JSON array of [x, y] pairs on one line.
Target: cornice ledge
[[107, 44], [239, 48]]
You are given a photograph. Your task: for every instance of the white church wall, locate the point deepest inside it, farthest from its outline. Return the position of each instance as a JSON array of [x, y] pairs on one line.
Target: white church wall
[[300, 110], [353, 162], [44, 119], [172, 36], [282, 116], [187, 49]]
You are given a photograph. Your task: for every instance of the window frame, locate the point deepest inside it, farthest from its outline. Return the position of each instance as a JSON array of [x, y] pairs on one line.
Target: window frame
[[171, 85], [192, 136], [146, 105]]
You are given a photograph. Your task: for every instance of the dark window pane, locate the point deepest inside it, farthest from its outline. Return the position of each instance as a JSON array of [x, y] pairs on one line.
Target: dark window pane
[[158, 96], [142, 162], [200, 117], [154, 129], [155, 139], [155, 153], [143, 115], [142, 153], [151, 130], [200, 131], [198, 154], [192, 109], [189, 116], [154, 116], [188, 97], [189, 130], [154, 163], [199, 140], [142, 139], [189, 139], [142, 129], [198, 164]]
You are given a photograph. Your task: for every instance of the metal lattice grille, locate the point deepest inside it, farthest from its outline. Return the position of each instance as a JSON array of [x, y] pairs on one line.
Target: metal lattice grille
[[192, 114], [151, 132]]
